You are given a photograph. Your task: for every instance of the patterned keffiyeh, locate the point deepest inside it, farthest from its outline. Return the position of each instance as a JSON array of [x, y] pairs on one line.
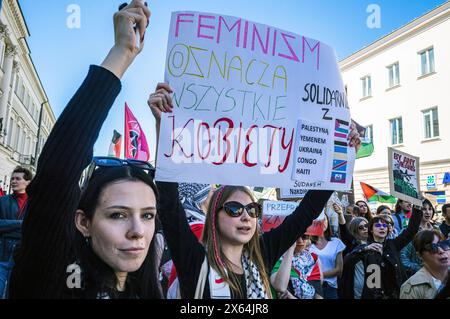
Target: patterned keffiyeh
[[303, 264], [192, 196], [219, 289]]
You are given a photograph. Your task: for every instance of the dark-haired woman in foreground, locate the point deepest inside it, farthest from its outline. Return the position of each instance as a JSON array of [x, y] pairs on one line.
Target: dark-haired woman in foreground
[[96, 243]]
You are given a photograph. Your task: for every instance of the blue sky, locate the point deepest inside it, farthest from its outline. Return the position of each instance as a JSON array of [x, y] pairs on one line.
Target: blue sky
[[62, 55]]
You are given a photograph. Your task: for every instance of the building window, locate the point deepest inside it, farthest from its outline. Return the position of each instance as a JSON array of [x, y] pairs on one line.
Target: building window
[[2, 55], [26, 101], [16, 137], [33, 148], [10, 131], [431, 123], [16, 89], [369, 134], [394, 75], [21, 144], [28, 146], [21, 92], [35, 112], [396, 131], [366, 86], [426, 61]]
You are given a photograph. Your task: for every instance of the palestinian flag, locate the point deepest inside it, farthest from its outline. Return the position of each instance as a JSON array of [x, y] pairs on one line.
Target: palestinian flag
[[373, 194], [366, 148], [116, 145]]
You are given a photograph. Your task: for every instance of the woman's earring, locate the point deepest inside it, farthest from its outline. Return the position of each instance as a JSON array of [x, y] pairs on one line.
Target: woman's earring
[[88, 243]]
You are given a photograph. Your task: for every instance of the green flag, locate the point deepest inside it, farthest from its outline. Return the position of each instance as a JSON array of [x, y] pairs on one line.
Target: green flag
[[373, 194], [365, 150], [366, 134]]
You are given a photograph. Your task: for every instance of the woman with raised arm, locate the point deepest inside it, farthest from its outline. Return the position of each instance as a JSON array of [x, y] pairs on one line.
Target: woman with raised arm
[[95, 242], [234, 260]]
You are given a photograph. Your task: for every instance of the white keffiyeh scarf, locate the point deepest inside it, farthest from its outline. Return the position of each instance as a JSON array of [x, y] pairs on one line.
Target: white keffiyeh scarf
[[219, 289]]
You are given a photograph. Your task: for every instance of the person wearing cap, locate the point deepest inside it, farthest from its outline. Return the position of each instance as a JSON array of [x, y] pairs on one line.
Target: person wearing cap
[[435, 255]]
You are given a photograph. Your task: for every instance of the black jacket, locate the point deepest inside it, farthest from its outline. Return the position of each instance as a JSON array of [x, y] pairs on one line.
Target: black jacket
[[8, 207], [349, 241], [10, 226], [390, 267]]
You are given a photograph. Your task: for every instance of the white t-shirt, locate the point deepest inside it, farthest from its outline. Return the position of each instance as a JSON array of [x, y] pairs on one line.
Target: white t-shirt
[[327, 257]]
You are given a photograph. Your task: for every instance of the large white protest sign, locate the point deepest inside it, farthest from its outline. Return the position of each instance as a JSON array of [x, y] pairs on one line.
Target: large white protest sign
[[240, 89]]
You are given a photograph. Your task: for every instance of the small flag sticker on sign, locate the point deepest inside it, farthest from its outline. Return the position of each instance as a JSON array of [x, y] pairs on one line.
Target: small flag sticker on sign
[[339, 165], [338, 174], [340, 149], [341, 127], [337, 177]]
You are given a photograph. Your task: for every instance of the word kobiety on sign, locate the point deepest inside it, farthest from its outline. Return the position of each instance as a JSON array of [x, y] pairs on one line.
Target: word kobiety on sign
[[253, 105]]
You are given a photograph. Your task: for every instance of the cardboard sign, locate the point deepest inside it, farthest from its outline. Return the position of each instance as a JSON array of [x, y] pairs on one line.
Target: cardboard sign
[[240, 89], [404, 178], [274, 213]]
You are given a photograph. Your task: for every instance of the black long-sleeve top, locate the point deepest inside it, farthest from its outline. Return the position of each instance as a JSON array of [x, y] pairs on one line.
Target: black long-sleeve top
[[188, 254], [349, 241], [392, 273], [47, 247]]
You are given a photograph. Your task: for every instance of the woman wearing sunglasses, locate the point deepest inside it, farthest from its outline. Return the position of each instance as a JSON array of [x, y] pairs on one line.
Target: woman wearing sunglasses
[[435, 255], [98, 243], [355, 234], [297, 274], [364, 210], [374, 271], [233, 260]]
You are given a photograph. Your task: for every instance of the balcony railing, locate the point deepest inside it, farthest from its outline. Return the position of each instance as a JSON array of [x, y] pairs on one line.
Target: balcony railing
[[27, 160], [23, 159]]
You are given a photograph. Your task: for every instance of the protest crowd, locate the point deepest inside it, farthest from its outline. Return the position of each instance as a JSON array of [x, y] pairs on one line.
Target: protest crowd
[[107, 228]]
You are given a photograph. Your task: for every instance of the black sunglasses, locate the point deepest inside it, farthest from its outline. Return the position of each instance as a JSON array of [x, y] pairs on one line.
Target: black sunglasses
[[434, 247], [236, 209], [104, 161]]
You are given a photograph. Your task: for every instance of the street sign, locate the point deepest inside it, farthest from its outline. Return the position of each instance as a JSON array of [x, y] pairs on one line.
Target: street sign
[[431, 182]]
